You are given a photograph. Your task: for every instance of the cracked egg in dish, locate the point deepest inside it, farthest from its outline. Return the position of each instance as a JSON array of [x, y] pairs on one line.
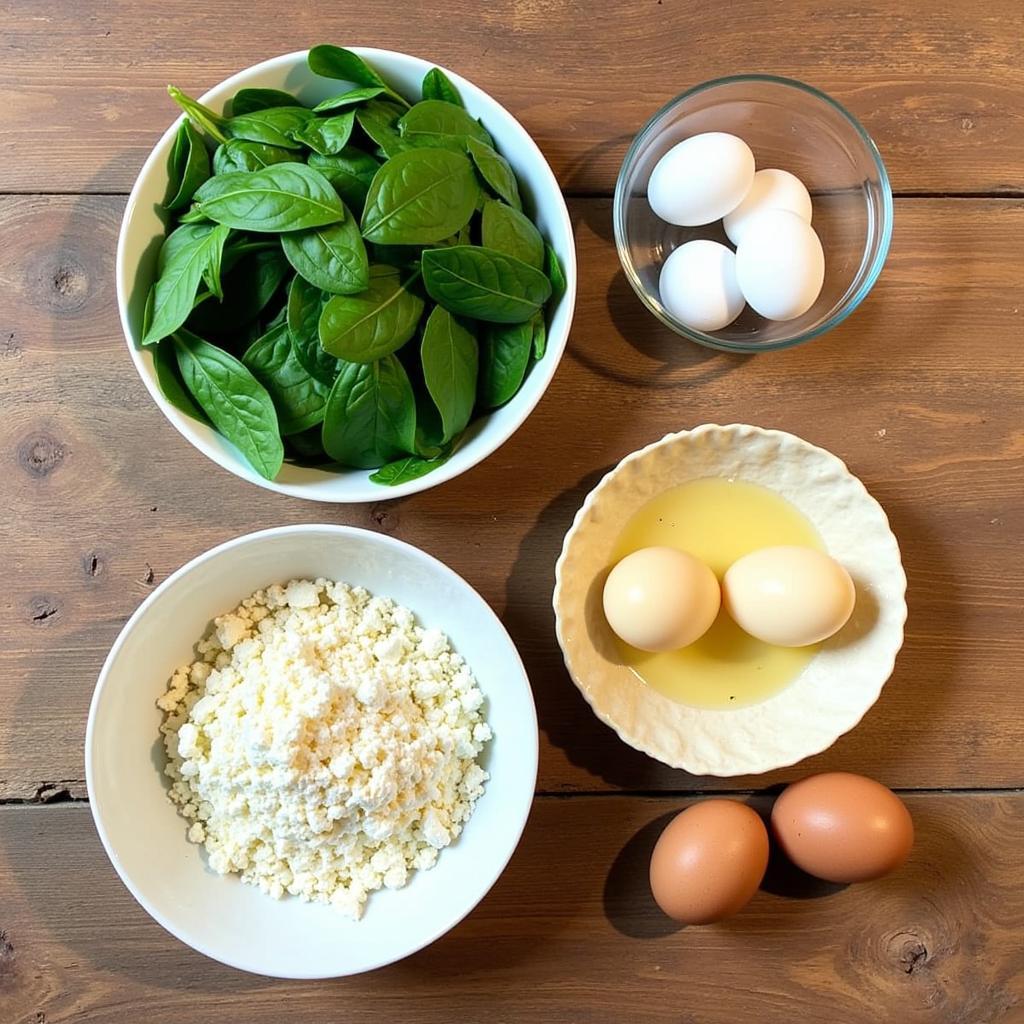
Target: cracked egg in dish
[[729, 703]]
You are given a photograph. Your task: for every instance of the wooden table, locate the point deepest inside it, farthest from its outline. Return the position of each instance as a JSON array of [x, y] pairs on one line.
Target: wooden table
[[920, 392]]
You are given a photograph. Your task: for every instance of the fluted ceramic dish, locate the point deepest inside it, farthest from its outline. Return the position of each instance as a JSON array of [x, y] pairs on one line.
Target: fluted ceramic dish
[[838, 685]]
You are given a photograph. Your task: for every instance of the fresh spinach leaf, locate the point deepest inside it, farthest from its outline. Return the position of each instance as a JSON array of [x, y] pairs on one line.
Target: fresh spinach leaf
[[297, 397], [307, 448], [209, 120], [450, 361], [379, 121], [305, 306], [370, 417], [249, 286], [412, 467], [351, 173], [240, 155], [349, 99], [171, 385], [555, 273], [246, 101], [420, 196], [274, 126], [326, 135], [504, 357], [484, 284], [333, 257], [436, 124], [184, 256], [496, 171], [540, 336], [237, 404], [193, 215], [188, 166], [336, 62], [438, 86], [511, 232], [282, 197], [365, 327]]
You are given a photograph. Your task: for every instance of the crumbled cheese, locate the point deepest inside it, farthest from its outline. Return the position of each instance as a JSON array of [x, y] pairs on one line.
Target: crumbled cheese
[[323, 744]]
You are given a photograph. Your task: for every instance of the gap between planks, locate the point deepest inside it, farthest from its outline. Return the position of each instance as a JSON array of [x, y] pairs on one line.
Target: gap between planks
[[573, 194], [43, 799]]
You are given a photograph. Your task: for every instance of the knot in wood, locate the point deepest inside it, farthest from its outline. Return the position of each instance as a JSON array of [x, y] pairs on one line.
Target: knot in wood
[[40, 454], [64, 285], [909, 951], [42, 609]]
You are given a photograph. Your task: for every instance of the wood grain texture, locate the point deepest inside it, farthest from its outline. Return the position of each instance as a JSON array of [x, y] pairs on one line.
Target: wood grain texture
[[569, 934], [940, 85], [920, 392]]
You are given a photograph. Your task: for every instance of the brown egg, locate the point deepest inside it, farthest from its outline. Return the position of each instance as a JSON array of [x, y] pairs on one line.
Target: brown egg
[[709, 861], [843, 827]]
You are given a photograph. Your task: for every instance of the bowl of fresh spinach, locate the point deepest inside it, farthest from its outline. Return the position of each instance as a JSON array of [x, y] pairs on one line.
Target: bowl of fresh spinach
[[346, 275]]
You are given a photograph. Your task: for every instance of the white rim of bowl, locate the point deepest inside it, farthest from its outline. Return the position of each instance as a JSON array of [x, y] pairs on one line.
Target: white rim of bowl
[[236, 465], [588, 504], [115, 650]]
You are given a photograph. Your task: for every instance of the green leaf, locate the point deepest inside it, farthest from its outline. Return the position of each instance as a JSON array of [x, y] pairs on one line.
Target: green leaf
[[363, 328], [283, 197], [336, 62], [370, 417], [379, 120], [274, 126], [193, 215], [246, 101], [211, 122], [333, 257], [298, 398], [188, 166], [249, 285], [555, 273], [504, 357], [484, 284], [540, 336], [349, 99], [496, 171], [235, 401], [305, 306], [351, 173], [438, 86], [412, 467], [240, 155], [512, 233], [326, 135], [450, 360], [436, 124], [419, 197], [184, 256], [307, 448], [171, 385]]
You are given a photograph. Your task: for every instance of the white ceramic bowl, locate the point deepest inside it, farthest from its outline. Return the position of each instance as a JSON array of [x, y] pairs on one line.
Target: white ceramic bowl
[[145, 837], [142, 230], [838, 685]]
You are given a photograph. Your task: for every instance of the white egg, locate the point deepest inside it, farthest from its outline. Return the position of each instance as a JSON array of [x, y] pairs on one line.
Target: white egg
[[788, 596], [660, 599], [701, 179], [780, 265], [772, 189], [698, 285]]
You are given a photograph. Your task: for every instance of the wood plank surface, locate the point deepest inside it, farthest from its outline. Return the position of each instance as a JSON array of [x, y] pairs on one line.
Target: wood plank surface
[[938, 83], [569, 934], [920, 392]]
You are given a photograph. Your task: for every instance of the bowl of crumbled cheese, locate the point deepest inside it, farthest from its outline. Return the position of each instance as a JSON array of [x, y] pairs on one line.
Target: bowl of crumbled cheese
[[311, 751]]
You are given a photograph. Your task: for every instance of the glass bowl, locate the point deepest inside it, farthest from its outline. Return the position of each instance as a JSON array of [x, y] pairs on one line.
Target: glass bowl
[[788, 125]]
